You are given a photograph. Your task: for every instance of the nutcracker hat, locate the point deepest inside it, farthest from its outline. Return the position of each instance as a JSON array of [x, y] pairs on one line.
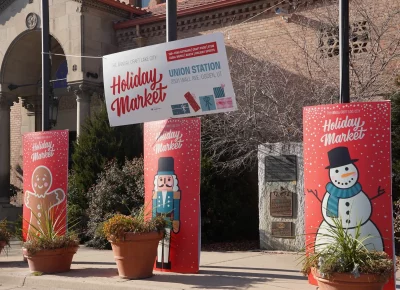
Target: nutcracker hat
[[165, 166], [339, 156]]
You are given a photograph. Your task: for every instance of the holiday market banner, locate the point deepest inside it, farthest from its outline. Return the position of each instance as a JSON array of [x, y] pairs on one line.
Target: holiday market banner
[[183, 78], [172, 189], [45, 160], [347, 173]]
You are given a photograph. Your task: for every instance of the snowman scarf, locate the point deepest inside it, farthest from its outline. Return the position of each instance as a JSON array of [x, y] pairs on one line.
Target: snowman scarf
[[338, 193]]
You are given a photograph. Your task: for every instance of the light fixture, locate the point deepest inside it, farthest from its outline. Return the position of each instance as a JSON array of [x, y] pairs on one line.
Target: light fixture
[[53, 107], [92, 75]]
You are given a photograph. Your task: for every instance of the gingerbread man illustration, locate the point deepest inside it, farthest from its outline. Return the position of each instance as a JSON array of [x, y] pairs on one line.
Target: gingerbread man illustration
[[41, 200]]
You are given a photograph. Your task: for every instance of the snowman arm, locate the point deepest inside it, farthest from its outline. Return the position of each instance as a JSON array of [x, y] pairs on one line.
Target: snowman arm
[[380, 192], [315, 193]]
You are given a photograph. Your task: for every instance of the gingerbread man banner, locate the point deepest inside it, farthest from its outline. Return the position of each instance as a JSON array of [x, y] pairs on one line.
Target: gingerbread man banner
[[45, 180], [172, 187], [347, 173]]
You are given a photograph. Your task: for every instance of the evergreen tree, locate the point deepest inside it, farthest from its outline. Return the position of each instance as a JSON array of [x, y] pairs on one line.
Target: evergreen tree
[[97, 144]]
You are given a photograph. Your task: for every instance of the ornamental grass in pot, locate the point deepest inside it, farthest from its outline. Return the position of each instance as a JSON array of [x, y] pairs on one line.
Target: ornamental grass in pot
[[49, 247], [5, 236], [346, 264], [134, 240]]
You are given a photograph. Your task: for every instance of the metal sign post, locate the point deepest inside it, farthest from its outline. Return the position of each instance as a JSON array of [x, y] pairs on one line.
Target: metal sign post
[[344, 51], [171, 20], [45, 65]]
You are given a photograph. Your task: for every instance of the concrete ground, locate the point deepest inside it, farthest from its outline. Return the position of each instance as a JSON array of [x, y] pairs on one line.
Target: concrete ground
[[96, 270]]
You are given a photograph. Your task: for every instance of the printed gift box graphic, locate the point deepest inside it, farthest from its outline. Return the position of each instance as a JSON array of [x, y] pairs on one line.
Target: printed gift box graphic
[[219, 92], [192, 101], [180, 109], [207, 103], [224, 103]]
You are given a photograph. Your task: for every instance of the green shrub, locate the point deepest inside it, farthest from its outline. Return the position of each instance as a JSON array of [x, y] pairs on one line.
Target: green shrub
[[118, 190], [346, 254], [114, 228]]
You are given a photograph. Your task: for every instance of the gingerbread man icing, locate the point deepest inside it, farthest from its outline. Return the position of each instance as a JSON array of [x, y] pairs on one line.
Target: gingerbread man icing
[[41, 200]]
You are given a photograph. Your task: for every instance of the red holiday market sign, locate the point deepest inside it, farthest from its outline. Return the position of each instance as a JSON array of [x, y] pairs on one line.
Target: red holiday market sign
[[347, 173], [45, 160], [172, 188]]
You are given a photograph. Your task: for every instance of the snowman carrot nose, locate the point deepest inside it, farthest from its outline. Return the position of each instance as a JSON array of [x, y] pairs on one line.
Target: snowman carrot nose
[[347, 174]]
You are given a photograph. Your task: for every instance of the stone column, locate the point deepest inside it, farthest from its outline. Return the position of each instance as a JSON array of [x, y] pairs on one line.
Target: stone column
[[5, 107], [82, 109], [83, 91]]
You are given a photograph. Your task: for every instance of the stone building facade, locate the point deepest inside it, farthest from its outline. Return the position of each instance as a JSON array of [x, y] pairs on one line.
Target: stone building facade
[[302, 39]]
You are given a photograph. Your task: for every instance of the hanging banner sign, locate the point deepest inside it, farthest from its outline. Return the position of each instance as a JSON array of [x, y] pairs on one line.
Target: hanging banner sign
[[172, 188], [183, 78], [45, 160], [347, 173]]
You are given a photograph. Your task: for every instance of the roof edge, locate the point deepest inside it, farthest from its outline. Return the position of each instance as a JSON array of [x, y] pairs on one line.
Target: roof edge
[[129, 8], [181, 13]]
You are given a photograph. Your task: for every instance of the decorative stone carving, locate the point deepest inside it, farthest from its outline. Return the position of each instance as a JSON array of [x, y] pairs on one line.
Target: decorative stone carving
[[84, 91], [31, 21], [359, 39], [104, 7], [130, 37], [29, 105]]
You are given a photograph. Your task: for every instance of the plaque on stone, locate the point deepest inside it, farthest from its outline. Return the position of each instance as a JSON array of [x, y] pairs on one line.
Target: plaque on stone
[[281, 168], [281, 203], [281, 229]]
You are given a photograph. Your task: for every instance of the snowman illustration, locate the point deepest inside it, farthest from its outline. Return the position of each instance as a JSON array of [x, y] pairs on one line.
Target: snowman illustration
[[345, 199]]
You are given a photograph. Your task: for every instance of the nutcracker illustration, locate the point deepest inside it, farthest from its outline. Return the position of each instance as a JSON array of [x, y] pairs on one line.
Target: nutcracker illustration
[[40, 202], [345, 199], [166, 202]]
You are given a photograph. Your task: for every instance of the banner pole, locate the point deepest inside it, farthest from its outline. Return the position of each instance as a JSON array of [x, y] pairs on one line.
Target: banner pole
[[171, 20], [344, 51], [45, 65]]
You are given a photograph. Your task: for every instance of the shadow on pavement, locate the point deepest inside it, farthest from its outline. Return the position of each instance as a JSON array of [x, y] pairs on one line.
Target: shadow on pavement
[[90, 272], [13, 264], [222, 279], [251, 269], [211, 282], [93, 263]]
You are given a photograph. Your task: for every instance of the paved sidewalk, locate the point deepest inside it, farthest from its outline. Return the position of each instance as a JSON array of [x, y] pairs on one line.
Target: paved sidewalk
[[96, 270]]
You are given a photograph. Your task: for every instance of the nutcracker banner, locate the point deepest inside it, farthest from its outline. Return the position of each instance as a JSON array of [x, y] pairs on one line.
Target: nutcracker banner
[[172, 189], [182, 78], [347, 173], [45, 160]]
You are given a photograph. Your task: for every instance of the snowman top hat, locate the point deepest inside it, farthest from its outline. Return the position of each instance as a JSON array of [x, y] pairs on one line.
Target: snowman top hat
[[165, 166], [339, 156]]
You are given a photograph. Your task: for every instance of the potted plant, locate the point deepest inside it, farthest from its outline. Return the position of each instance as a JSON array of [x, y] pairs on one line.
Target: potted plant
[[5, 236], [134, 240], [345, 263], [49, 247]]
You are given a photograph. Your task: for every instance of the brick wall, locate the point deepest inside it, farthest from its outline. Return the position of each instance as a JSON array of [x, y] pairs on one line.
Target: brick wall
[[293, 45]]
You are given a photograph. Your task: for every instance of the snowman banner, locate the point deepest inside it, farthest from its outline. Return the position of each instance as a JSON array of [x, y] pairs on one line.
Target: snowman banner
[[347, 172]]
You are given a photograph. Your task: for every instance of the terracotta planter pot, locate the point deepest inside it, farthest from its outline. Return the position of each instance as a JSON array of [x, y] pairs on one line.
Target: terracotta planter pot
[[51, 261], [135, 255], [342, 281], [3, 244]]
